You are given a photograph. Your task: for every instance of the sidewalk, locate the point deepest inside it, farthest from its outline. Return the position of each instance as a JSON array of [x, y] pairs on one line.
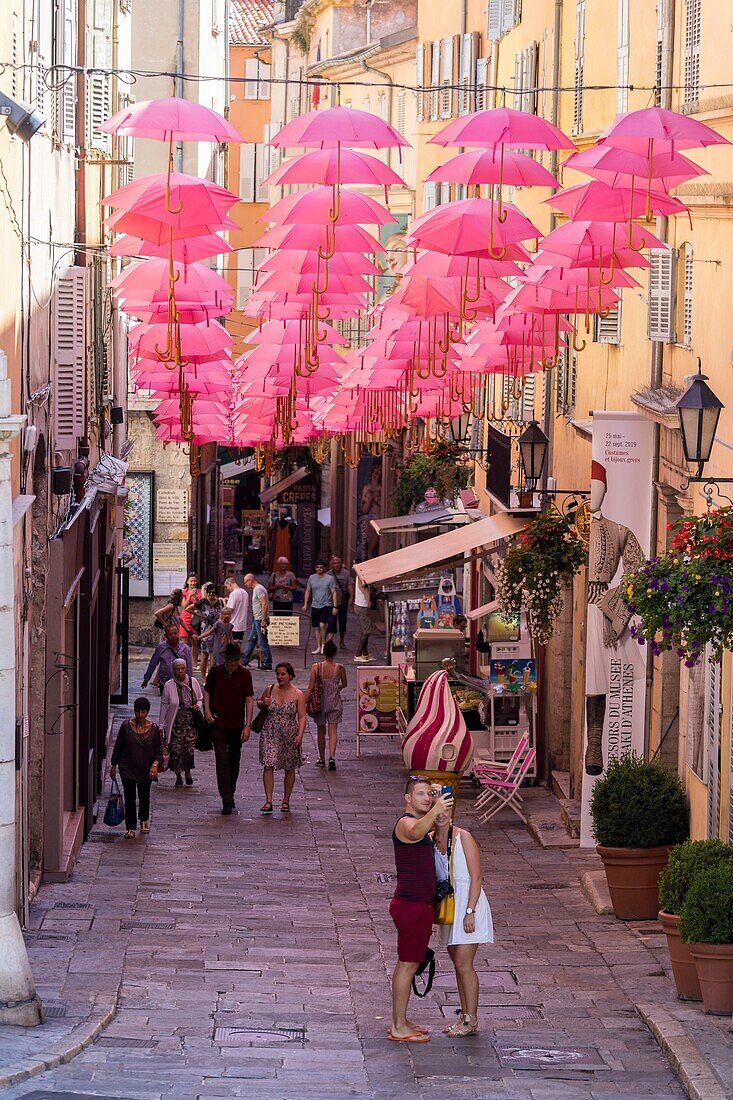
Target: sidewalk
[[250, 957]]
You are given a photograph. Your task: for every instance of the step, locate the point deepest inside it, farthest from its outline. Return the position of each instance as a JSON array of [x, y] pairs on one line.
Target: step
[[570, 814], [560, 784]]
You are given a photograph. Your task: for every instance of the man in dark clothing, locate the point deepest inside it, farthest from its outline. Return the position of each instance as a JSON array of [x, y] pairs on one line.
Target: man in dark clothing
[[164, 654], [411, 907], [228, 705]]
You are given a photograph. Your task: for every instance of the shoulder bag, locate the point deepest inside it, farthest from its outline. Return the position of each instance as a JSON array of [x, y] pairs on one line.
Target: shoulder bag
[[314, 706], [260, 717], [115, 811], [428, 964], [445, 901]]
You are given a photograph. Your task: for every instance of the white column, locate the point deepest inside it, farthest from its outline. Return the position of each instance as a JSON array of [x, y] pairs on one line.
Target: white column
[[19, 1002]]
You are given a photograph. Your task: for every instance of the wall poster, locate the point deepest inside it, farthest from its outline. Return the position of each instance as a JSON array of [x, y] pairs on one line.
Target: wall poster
[[615, 664], [139, 532]]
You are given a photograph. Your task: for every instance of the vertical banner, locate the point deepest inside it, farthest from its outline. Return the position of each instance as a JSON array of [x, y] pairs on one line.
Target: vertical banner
[[620, 526]]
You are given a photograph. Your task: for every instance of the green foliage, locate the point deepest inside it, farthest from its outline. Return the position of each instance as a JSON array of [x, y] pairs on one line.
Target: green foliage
[[707, 915], [638, 805], [290, 459], [686, 862], [541, 563], [301, 33], [441, 470]]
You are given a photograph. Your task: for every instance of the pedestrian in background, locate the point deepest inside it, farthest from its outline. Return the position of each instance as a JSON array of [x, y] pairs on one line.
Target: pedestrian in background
[[321, 597], [282, 735], [228, 705], [190, 622], [344, 599], [221, 634], [472, 924], [170, 613], [281, 586], [181, 696], [164, 654], [209, 610], [260, 623], [138, 753], [365, 618], [333, 678], [238, 600]]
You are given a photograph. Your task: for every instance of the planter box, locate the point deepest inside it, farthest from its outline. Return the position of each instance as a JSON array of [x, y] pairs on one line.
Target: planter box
[[633, 879], [714, 963], [683, 964]]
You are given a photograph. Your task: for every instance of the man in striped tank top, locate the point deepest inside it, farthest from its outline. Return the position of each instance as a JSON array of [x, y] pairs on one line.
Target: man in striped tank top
[[411, 907]]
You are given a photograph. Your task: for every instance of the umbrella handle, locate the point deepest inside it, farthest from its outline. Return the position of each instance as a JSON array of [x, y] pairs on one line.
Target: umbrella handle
[[169, 208], [575, 342], [632, 246], [330, 246]]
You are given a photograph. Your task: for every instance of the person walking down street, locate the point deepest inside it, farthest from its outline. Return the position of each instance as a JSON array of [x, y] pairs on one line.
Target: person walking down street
[[170, 613], [138, 753], [164, 654], [282, 734], [344, 600], [411, 908], [221, 634], [209, 610], [181, 696], [190, 623], [238, 600], [333, 678], [260, 623], [365, 618], [321, 597], [472, 924], [228, 705], [281, 586]]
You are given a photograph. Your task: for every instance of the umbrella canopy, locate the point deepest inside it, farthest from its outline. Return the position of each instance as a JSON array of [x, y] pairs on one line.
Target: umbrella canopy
[[159, 231], [186, 249], [310, 263], [151, 276], [293, 283], [601, 202], [614, 166], [208, 339], [291, 332], [312, 208], [655, 129], [333, 166], [502, 126], [351, 238], [195, 201], [488, 166], [171, 118], [462, 228], [571, 238], [338, 125]]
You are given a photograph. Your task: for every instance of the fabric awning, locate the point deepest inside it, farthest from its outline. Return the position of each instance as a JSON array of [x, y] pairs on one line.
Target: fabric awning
[[485, 609], [416, 521], [441, 549], [274, 491]]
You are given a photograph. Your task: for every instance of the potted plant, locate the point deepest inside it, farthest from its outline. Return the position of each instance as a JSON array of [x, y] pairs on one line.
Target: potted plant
[[639, 811], [443, 470], [707, 925], [686, 862]]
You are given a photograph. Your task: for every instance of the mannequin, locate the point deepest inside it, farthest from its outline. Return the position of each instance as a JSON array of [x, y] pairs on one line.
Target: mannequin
[[281, 539]]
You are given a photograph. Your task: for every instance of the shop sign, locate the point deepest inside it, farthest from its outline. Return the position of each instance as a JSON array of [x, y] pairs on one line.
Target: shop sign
[[304, 491], [513, 675], [619, 533], [284, 630]]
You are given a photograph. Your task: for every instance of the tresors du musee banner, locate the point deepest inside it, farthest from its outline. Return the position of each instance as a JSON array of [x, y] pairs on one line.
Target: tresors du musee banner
[[615, 663]]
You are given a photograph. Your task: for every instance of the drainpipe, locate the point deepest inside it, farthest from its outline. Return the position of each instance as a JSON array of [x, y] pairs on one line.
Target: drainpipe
[[547, 417], [179, 73], [19, 1002]]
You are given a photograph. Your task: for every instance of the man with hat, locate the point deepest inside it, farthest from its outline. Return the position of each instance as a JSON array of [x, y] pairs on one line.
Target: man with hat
[[228, 705]]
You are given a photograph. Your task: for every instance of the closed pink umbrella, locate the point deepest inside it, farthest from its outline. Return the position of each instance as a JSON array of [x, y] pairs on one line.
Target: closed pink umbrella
[[193, 201], [335, 126], [482, 166]]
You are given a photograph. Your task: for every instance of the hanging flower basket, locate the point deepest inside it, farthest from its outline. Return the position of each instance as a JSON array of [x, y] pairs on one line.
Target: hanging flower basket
[[541, 563], [683, 599]]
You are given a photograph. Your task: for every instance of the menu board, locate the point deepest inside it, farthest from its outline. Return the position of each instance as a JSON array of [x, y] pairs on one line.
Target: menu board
[[379, 697], [284, 630]]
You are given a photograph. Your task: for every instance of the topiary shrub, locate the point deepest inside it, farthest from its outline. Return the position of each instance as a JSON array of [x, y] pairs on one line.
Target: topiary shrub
[[638, 805], [686, 862], [707, 915]]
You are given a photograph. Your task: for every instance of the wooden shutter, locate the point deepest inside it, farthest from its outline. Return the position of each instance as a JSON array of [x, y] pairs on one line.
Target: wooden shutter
[[529, 78], [482, 79], [607, 330], [125, 146], [245, 277], [508, 15], [420, 80], [429, 196], [251, 77], [687, 297], [518, 80], [622, 57], [446, 77], [263, 84], [247, 158], [99, 84], [529, 389], [692, 51], [69, 353], [435, 80], [401, 112], [66, 52], [260, 169], [661, 294], [579, 66]]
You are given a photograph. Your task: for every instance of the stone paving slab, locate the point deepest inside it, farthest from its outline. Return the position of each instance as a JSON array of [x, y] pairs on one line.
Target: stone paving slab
[[282, 923]]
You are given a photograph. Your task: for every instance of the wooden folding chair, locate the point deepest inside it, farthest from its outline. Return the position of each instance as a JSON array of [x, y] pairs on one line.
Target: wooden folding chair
[[502, 769], [504, 793]]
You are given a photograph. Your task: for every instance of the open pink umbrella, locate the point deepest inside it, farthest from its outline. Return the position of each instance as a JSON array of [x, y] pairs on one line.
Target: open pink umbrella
[[335, 126], [291, 332], [160, 232], [309, 263], [468, 267], [622, 166], [187, 250], [293, 283], [333, 166], [208, 339], [572, 238], [351, 238], [601, 202], [186, 313], [151, 276], [462, 228], [195, 201], [315, 206], [502, 126], [171, 118], [481, 166]]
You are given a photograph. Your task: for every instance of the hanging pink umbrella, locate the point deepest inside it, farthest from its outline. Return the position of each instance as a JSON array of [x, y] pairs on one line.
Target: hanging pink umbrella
[[177, 199], [463, 228], [481, 166], [600, 202], [591, 256], [314, 208], [622, 166], [564, 277], [151, 276], [309, 263], [468, 267], [293, 283], [351, 238], [655, 129], [187, 313], [572, 238], [171, 118], [502, 126], [346, 126], [187, 250], [291, 332], [196, 340], [332, 166], [159, 232]]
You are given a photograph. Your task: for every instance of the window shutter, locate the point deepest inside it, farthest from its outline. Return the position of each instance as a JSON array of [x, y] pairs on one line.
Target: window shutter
[[469, 50], [482, 79], [508, 15], [443, 194], [529, 79], [66, 95], [712, 737], [251, 77], [622, 58], [401, 111], [247, 157], [692, 52], [494, 30], [661, 286], [446, 78], [579, 66], [529, 388], [245, 277], [125, 146], [260, 168], [435, 80], [660, 55], [607, 330], [687, 297], [263, 82], [518, 80], [429, 196], [99, 84], [69, 353], [566, 382], [420, 80]]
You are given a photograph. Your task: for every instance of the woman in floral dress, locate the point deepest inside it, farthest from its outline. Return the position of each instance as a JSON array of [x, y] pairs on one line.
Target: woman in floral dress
[[282, 734], [180, 696]]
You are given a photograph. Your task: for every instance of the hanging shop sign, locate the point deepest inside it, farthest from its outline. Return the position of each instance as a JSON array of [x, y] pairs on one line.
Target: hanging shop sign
[[619, 533]]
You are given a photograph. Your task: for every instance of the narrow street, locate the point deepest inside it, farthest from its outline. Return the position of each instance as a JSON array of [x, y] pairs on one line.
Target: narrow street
[[251, 956]]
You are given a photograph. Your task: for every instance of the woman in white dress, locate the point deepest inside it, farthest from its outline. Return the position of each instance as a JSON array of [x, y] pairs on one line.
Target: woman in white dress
[[472, 924]]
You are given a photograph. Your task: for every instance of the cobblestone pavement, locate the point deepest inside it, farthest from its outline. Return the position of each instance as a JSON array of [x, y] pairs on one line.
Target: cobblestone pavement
[[253, 956]]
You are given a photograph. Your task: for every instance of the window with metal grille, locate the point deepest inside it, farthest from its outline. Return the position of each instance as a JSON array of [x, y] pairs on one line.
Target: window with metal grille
[[607, 329], [579, 66], [691, 92], [661, 295], [622, 57]]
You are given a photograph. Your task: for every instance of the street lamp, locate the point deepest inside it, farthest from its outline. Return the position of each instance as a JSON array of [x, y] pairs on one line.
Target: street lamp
[[22, 120], [699, 411], [533, 445], [460, 427]]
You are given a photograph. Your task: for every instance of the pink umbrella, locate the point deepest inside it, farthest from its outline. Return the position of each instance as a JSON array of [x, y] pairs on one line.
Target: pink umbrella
[[151, 276], [564, 277], [291, 332], [599, 201], [590, 256], [338, 126], [208, 339], [187, 249], [315, 206], [572, 238], [293, 283], [468, 267], [667, 131], [502, 126], [490, 166], [462, 228], [186, 313], [428, 295], [160, 232], [611, 165], [352, 238], [177, 199], [333, 166], [309, 263], [171, 119]]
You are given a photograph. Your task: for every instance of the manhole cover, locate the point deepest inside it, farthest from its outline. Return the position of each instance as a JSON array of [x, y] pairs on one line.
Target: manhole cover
[[544, 1057], [387, 876], [129, 925], [259, 1036], [54, 1012], [120, 1041], [73, 905]]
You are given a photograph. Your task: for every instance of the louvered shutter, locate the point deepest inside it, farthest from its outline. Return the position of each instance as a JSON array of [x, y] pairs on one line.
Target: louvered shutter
[[429, 196], [692, 51], [263, 85], [66, 95], [245, 277], [420, 80], [607, 330], [529, 389], [446, 78], [518, 80], [579, 67], [494, 19], [687, 297], [251, 78], [712, 737], [69, 352], [661, 294], [469, 49], [401, 112], [508, 15], [561, 371], [247, 171], [622, 57], [529, 79], [99, 84], [261, 191], [435, 81], [660, 56], [482, 79]]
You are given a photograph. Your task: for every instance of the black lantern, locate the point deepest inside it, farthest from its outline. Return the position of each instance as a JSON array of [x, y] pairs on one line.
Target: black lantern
[[699, 411], [460, 427], [533, 445]]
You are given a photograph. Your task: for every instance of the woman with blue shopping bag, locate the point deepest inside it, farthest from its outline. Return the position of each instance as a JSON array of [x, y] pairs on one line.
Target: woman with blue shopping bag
[[139, 753]]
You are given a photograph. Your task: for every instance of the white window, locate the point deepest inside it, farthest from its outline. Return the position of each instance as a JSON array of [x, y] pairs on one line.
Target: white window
[[257, 79], [429, 196], [691, 92], [529, 388], [579, 66], [622, 53], [69, 354], [247, 261], [566, 378], [661, 294], [261, 162], [446, 78], [382, 106], [98, 84], [482, 79], [125, 146], [607, 330], [470, 43], [502, 16]]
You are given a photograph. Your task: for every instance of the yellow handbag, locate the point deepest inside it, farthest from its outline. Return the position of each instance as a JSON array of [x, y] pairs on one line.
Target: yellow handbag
[[445, 907]]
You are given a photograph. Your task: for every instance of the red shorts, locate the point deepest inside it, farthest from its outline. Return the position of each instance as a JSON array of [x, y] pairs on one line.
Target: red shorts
[[414, 923]]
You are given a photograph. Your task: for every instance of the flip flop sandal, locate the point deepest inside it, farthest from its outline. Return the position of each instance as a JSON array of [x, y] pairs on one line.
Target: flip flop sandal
[[413, 1037], [267, 808], [130, 834], [285, 808]]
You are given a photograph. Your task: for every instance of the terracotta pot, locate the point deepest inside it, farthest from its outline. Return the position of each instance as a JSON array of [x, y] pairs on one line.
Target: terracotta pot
[[633, 879], [714, 963], [683, 964]]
